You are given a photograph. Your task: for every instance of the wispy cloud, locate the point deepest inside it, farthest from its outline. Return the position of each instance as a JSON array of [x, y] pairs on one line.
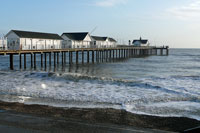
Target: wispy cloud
[[187, 12], [109, 3]]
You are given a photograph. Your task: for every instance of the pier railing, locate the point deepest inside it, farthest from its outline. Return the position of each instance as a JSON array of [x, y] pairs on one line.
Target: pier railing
[[92, 54]]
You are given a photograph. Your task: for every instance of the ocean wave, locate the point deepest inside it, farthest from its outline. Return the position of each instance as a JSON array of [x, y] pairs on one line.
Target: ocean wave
[[81, 90]]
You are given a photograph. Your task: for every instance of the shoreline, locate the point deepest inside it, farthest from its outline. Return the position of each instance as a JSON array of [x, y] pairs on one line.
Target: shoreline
[[108, 115]]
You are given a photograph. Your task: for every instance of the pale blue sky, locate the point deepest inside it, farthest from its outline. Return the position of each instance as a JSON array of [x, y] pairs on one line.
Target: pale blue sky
[[163, 22]]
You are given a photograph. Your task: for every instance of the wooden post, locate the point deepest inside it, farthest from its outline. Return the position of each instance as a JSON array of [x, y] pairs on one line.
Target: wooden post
[[35, 60], [31, 60], [113, 53], [65, 57], [11, 62], [167, 51], [102, 55], [83, 57], [88, 56], [92, 56], [110, 55], [49, 59], [62, 58], [106, 52], [69, 53], [161, 51], [97, 54], [118, 55], [41, 60], [20, 61], [76, 57], [45, 60], [54, 60], [57, 57], [24, 61], [71, 60]]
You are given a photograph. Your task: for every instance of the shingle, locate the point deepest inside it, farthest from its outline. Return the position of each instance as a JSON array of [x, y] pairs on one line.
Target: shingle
[[98, 38], [142, 41], [79, 36], [112, 40], [38, 35]]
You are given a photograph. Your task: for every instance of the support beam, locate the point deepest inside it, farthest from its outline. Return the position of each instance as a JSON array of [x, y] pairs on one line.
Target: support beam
[[41, 60], [97, 56], [49, 59], [11, 62], [45, 60], [54, 60], [57, 57], [76, 57], [83, 57], [31, 60], [71, 58], [62, 58], [24, 61], [88, 56], [20, 61], [34, 60], [92, 56]]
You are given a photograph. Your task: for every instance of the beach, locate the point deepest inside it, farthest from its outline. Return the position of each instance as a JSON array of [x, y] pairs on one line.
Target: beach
[[98, 116]]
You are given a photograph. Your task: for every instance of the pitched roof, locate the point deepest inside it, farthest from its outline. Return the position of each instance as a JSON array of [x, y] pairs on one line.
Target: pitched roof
[[79, 36], [141, 40], [112, 40], [39, 35], [98, 38]]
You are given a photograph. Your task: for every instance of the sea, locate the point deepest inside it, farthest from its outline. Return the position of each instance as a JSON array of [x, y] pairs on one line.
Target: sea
[[167, 86]]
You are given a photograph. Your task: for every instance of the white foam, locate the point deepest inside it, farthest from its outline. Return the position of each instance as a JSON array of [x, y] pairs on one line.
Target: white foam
[[80, 91]]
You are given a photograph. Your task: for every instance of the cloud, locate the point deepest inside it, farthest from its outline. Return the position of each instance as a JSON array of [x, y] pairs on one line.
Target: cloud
[[110, 3], [187, 12]]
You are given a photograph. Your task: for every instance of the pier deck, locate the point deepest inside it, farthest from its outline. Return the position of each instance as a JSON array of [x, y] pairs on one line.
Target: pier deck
[[97, 54]]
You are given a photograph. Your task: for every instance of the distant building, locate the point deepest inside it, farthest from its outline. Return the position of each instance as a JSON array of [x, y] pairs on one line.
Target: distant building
[[77, 40], [103, 42], [3, 43], [26, 40], [140, 42]]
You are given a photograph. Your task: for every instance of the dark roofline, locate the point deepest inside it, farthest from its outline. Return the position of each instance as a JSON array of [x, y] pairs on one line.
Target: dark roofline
[[112, 40], [78, 36], [142, 41], [37, 35], [99, 38]]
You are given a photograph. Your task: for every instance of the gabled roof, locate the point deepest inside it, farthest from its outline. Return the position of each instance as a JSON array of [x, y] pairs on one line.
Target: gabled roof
[[98, 38], [38, 35], [112, 40], [79, 36], [141, 40]]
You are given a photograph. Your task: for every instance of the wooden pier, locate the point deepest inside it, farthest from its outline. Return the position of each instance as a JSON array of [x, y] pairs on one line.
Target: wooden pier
[[97, 55]]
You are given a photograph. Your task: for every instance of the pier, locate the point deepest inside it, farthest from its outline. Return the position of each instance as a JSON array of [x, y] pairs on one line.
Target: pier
[[93, 55]]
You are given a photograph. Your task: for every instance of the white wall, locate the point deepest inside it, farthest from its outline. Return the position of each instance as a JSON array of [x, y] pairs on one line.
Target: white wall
[[30, 43], [13, 42], [3, 44], [86, 43]]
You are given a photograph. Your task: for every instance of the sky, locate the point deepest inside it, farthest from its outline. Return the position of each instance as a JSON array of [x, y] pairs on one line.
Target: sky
[[163, 22]]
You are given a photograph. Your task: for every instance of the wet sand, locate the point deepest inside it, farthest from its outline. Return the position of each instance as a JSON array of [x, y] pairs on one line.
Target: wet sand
[[103, 116]]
